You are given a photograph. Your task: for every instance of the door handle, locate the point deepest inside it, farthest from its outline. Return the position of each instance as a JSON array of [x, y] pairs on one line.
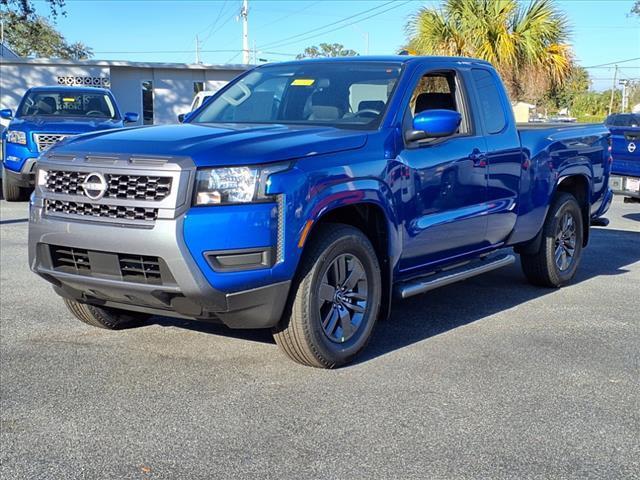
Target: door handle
[[478, 158]]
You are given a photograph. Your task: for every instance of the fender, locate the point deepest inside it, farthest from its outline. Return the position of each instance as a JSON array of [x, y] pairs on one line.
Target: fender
[[549, 167], [372, 192], [574, 171], [315, 201], [355, 192]]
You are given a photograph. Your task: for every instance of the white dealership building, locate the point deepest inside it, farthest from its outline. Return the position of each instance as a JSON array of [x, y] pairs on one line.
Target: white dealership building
[[157, 91]]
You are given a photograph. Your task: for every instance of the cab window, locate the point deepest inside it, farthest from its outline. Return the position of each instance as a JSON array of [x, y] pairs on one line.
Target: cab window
[[438, 91]]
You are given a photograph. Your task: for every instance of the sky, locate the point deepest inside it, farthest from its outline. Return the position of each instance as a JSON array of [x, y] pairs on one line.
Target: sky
[[603, 32]]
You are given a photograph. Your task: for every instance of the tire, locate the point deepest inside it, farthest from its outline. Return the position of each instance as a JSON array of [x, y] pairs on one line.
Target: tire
[[102, 317], [562, 232], [10, 191], [323, 326]]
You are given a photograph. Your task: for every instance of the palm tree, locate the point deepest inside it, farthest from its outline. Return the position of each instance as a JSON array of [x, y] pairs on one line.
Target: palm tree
[[526, 43]]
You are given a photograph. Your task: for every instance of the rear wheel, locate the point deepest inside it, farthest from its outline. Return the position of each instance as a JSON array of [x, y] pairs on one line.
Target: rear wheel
[[557, 260], [10, 191], [103, 317], [335, 301]]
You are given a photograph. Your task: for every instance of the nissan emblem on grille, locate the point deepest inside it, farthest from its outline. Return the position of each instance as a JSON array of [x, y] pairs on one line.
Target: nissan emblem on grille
[[121, 186], [94, 186]]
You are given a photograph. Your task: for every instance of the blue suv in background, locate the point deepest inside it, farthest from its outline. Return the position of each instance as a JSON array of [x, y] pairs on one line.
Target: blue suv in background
[[625, 150], [45, 116]]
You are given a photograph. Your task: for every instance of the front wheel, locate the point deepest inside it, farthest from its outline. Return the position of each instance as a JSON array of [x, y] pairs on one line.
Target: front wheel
[[12, 192], [556, 261], [103, 317], [335, 300]]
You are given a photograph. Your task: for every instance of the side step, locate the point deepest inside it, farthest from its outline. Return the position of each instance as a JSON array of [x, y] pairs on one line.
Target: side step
[[440, 279], [599, 222]]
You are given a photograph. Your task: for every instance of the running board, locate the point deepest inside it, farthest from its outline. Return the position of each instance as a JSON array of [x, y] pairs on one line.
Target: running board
[[437, 280]]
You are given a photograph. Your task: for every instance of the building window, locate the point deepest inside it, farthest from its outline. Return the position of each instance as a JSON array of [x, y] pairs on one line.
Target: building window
[[198, 87], [147, 102]]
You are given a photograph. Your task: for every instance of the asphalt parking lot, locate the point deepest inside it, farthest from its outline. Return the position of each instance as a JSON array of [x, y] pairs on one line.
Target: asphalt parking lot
[[490, 378]]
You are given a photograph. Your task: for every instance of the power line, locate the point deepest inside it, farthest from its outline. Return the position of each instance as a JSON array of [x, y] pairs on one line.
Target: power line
[[345, 25], [226, 20], [224, 5], [190, 51], [613, 63], [284, 40], [286, 17]]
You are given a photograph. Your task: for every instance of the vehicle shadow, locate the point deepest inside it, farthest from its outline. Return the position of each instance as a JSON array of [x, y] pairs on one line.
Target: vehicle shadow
[[254, 335], [632, 216], [422, 317], [425, 316], [14, 220]]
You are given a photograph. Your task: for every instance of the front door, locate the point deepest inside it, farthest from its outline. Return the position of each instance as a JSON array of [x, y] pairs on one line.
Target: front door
[[445, 204]]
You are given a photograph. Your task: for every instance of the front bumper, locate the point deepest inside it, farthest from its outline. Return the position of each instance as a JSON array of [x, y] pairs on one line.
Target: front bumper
[[189, 294], [621, 185], [19, 163]]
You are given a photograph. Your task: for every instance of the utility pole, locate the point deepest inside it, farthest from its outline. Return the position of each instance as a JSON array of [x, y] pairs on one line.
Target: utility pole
[[197, 49], [625, 95], [613, 89], [244, 14]]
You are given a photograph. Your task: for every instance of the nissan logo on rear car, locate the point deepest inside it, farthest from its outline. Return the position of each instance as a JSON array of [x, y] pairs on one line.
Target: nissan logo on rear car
[[94, 186], [631, 147]]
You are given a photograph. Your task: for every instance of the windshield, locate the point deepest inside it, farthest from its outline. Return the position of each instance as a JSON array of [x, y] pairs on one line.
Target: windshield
[[340, 94], [627, 120], [68, 104]]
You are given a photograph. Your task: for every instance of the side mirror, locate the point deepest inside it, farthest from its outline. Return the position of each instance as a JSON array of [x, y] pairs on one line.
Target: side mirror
[[181, 117], [434, 124], [6, 113], [131, 117]]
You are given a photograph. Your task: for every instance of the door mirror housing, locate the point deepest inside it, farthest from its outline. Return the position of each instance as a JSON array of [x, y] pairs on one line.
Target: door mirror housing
[[6, 113], [131, 117], [434, 124], [185, 116]]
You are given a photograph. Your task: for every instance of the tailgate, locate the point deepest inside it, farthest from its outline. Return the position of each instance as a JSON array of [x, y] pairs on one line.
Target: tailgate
[[625, 151]]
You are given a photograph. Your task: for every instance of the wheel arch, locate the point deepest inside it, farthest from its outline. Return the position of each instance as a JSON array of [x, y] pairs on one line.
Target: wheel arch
[[372, 213], [579, 186]]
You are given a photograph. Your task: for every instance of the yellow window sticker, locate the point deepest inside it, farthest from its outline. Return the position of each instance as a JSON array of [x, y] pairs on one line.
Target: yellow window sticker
[[68, 99], [303, 82]]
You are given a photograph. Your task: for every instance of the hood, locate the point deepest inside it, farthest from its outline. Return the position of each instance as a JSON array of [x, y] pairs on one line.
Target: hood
[[212, 145], [63, 124]]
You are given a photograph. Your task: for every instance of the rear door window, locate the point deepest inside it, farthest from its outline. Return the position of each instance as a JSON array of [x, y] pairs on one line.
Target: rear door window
[[489, 101]]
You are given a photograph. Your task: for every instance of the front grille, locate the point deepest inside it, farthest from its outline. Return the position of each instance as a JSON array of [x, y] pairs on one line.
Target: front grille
[[140, 269], [47, 140], [117, 212], [71, 260], [126, 187], [118, 266]]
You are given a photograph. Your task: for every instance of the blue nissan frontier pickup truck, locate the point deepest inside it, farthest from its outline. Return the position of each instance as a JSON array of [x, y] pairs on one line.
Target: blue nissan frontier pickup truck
[[625, 151], [45, 116], [305, 196]]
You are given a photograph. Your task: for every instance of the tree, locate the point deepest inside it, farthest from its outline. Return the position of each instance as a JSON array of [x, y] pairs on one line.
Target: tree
[[595, 104], [561, 95], [36, 36], [528, 44], [635, 10], [327, 50], [25, 8]]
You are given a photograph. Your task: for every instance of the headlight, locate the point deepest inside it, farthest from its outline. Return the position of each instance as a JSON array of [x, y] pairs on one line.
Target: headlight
[[223, 186], [41, 177], [16, 136]]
